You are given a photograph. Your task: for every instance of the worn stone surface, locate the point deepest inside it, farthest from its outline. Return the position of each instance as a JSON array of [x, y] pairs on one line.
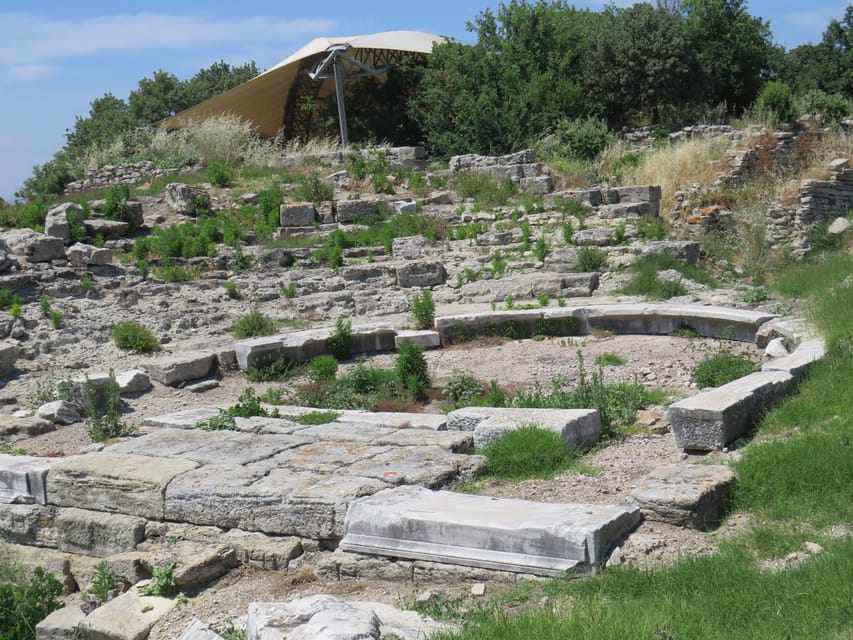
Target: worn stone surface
[[94, 533], [180, 367], [195, 630], [354, 210], [11, 426], [715, 417], [128, 617], [806, 354], [576, 427], [26, 475], [133, 381], [56, 221], [182, 197], [81, 255], [297, 214], [479, 531], [31, 524], [59, 411], [8, 355], [115, 482], [427, 338], [61, 624], [686, 495], [34, 246], [422, 273]]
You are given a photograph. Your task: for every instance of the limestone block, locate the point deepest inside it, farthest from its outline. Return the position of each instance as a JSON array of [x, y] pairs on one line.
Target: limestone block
[[363, 272], [259, 350], [93, 533], [56, 221], [715, 417], [30, 524], [263, 551], [115, 482], [106, 228], [133, 381], [485, 532], [59, 411], [576, 427], [61, 624], [687, 250], [404, 206], [686, 495], [422, 273], [36, 247], [804, 355], [838, 226], [26, 475], [50, 560], [182, 198], [395, 420], [355, 210], [409, 247], [8, 355], [597, 237], [195, 630], [427, 338], [297, 214], [82, 255], [128, 617], [644, 193], [174, 369], [624, 210], [27, 425]]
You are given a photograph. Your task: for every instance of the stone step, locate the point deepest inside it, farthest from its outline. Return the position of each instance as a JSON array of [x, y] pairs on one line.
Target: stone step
[[480, 531], [579, 428], [801, 359], [715, 417]]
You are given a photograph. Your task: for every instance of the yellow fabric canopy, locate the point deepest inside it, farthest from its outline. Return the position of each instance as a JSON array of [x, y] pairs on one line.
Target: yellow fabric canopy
[[269, 101]]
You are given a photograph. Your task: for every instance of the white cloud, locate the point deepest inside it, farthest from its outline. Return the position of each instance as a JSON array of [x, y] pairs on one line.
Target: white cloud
[[25, 73], [32, 40], [811, 20]]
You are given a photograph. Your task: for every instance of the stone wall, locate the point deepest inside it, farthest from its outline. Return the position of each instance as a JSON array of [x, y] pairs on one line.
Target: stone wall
[[642, 138], [112, 174]]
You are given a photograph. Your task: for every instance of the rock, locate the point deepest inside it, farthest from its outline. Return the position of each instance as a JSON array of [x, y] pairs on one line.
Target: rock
[[838, 226], [686, 495], [776, 348], [427, 338], [93, 533], [36, 247], [30, 524], [182, 198], [812, 548], [8, 355], [599, 236], [24, 425], [478, 589], [195, 630], [175, 369], [355, 210], [409, 247], [576, 427], [82, 255], [61, 624], [421, 274], [297, 214], [404, 206], [56, 222], [59, 411], [106, 228], [128, 617], [133, 381], [687, 250]]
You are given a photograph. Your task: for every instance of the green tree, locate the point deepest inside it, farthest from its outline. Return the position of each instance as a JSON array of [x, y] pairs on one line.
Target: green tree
[[157, 97], [215, 79], [641, 65], [826, 66], [108, 118], [733, 49]]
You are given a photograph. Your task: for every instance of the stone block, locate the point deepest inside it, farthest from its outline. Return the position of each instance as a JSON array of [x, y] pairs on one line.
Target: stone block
[[94, 533], [424, 273], [427, 338], [83, 255], [106, 228], [715, 417], [297, 214], [182, 198], [56, 221], [133, 381], [262, 551], [115, 482], [806, 354], [687, 250], [8, 356], [409, 247], [404, 206], [128, 617], [259, 350], [195, 630], [36, 247], [24, 426], [355, 210], [686, 495], [59, 412], [485, 532], [61, 624], [26, 475], [177, 368], [644, 193], [30, 524], [576, 427], [395, 420]]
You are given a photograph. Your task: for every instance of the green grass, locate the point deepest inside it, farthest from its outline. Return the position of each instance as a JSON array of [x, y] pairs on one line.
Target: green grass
[[646, 282], [133, 336], [720, 368], [611, 360], [528, 452], [253, 324]]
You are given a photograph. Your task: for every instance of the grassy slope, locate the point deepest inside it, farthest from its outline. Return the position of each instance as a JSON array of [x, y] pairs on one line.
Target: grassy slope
[[799, 488]]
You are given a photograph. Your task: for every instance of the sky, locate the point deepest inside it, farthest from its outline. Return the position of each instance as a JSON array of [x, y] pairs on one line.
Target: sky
[[57, 57]]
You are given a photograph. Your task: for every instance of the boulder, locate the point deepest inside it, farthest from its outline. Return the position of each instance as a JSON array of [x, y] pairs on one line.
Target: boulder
[[838, 226], [59, 412], [177, 368], [297, 214], [133, 381], [128, 617], [182, 198], [8, 355], [61, 624], [421, 274], [56, 221], [82, 255], [36, 247]]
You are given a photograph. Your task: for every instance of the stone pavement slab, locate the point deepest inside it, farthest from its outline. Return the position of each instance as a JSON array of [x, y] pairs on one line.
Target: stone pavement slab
[[576, 427], [26, 477], [806, 354], [485, 532]]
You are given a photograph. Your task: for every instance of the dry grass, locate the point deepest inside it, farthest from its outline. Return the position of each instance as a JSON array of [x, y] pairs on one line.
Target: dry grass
[[676, 166]]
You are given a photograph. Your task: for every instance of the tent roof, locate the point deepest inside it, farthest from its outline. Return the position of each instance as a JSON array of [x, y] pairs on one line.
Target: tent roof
[[268, 99]]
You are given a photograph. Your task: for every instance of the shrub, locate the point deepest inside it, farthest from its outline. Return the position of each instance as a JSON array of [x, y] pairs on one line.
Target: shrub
[[24, 605], [488, 192], [339, 343], [423, 309], [610, 360], [583, 138], [591, 258], [499, 264], [411, 369], [231, 290], [323, 369], [56, 318], [646, 282], [162, 582], [540, 250], [104, 582], [651, 227], [776, 101], [528, 452], [130, 335], [831, 107], [274, 370], [721, 368], [220, 174], [462, 388], [312, 189], [289, 291], [253, 324], [104, 411]]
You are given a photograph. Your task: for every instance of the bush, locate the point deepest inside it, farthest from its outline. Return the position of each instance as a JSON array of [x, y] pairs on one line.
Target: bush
[[220, 174], [104, 582], [312, 189], [462, 388], [776, 101], [583, 138], [831, 107], [423, 309], [528, 452], [339, 343], [23, 606], [133, 336], [162, 582], [104, 411], [253, 324], [323, 369], [721, 368], [412, 369], [591, 258]]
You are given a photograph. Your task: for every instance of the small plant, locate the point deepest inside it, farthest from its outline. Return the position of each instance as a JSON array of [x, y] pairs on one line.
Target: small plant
[[86, 284], [423, 309], [130, 335], [591, 259], [311, 188], [162, 582], [231, 290], [543, 300], [315, 417], [721, 368], [44, 305], [17, 307], [288, 291], [254, 324], [241, 261], [540, 250], [104, 411], [339, 343], [618, 234], [104, 582], [611, 360], [144, 269], [411, 369], [220, 174], [651, 227], [528, 452], [462, 388], [471, 275], [498, 264], [23, 604], [323, 368], [274, 370], [56, 318], [568, 232], [754, 295], [509, 302]]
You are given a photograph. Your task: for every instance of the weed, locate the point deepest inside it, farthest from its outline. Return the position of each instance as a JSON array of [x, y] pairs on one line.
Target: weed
[[315, 417], [17, 307], [144, 269], [313, 189], [540, 250], [509, 302], [162, 582], [220, 174], [323, 368], [253, 324], [339, 343], [274, 370], [6, 298], [240, 261], [754, 295], [44, 306], [651, 227], [104, 582], [423, 309], [459, 333], [647, 283], [721, 368], [543, 300], [568, 232], [611, 360], [471, 275], [561, 302], [499, 264], [171, 274], [685, 331], [104, 411], [25, 603], [288, 291], [462, 388], [56, 318], [488, 192], [528, 452], [231, 290], [411, 368], [130, 335], [591, 259]]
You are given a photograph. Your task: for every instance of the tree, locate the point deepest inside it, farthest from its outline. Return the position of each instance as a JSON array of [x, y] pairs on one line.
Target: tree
[[522, 75], [826, 66], [733, 48], [217, 78], [158, 97], [640, 65], [108, 118]]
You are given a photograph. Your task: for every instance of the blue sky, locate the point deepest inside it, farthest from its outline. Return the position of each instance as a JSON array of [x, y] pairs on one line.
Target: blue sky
[[56, 57]]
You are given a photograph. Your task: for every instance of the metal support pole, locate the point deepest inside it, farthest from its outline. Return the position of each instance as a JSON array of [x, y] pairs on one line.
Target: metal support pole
[[342, 110]]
